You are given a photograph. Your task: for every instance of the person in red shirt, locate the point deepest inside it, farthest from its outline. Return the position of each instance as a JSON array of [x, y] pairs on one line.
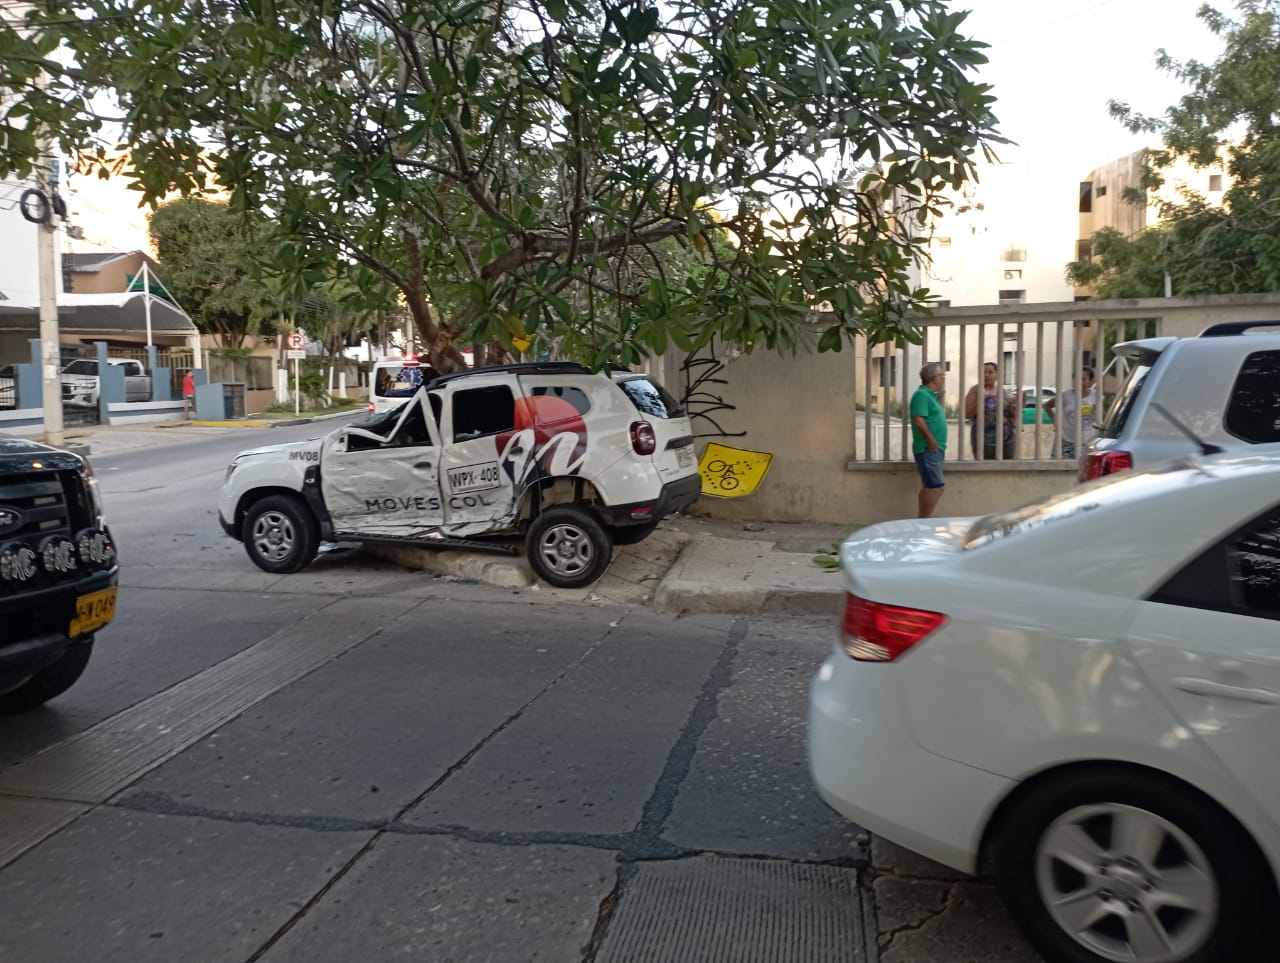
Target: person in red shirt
[[189, 391]]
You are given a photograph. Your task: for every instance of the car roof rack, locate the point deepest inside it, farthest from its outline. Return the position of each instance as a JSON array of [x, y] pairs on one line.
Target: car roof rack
[[1225, 328], [525, 367]]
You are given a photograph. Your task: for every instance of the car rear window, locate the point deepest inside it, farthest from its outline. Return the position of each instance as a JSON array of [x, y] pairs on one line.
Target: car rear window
[[651, 398], [1123, 405], [1253, 414]]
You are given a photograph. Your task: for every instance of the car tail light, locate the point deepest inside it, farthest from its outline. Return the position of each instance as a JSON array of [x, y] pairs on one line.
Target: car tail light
[[1101, 463], [874, 632], [643, 439]]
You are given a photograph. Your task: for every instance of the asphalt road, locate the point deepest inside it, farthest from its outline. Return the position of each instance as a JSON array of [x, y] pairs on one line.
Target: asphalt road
[[363, 763]]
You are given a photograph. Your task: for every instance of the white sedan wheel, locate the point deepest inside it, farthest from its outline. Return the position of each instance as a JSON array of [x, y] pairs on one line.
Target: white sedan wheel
[[1126, 884]]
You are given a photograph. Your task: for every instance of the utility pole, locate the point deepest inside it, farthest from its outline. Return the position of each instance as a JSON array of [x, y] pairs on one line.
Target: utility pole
[[47, 252]]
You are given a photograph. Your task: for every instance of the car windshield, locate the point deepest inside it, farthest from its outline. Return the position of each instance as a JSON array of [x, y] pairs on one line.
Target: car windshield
[[1113, 490], [1123, 405], [380, 424], [651, 398], [81, 367]]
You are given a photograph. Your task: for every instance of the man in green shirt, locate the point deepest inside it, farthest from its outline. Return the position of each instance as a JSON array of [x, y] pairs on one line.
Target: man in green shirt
[[929, 435]]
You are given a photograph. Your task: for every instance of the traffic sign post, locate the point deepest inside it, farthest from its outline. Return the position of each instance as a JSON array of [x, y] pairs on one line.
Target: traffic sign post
[[297, 343]]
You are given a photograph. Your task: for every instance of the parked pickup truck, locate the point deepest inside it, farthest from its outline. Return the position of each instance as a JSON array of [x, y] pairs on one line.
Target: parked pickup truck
[[574, 462], [57, 572], [80, 381]]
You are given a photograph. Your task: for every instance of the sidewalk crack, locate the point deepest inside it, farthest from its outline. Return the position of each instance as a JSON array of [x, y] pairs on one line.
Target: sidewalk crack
[[604, 915], [886, 940]]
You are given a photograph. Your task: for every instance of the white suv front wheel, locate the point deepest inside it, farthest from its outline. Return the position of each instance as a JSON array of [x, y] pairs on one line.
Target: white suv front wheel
[[280, 534], [568, 547]]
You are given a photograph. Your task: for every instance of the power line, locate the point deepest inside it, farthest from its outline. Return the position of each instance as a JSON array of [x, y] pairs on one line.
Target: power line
[[1052, 23]]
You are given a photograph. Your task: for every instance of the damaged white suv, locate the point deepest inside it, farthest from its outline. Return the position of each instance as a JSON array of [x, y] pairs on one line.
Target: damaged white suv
[[574, 461]]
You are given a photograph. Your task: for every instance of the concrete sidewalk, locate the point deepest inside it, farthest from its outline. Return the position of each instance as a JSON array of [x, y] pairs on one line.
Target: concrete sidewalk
[[690, 565]]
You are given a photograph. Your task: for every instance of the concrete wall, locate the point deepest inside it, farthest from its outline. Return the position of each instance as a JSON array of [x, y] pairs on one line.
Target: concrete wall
[[255, 402], [146, 412], [801, 409], [875, 494], [24, 423]]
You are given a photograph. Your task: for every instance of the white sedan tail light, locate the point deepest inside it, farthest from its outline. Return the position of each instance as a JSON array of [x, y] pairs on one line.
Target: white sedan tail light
[[875, 632]]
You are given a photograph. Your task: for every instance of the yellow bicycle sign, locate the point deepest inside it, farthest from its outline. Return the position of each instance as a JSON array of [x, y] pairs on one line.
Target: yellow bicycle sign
[[732, 472]]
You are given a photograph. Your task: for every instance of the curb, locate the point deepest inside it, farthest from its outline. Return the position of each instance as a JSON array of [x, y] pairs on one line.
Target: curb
[[498, 571], [332, 416], [676, 595], [215, 424]]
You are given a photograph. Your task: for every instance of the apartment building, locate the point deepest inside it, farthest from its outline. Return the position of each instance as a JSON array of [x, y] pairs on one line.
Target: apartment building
[[1102, 201]]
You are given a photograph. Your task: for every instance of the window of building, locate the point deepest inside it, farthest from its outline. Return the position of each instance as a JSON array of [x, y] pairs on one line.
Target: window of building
[[1012, 296], [483, 411], [1084, 250], [1014, 252], [885, 371], [1101, 191], [942, 241], [1215, 183], [1086, 197], [1253, 413], [1014, 274]]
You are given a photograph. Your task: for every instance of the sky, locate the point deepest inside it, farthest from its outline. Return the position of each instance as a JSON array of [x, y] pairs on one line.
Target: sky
[[1055, 65]]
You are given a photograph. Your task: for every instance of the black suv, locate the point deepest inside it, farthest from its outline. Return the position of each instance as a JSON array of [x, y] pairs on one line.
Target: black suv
[[57, 571]]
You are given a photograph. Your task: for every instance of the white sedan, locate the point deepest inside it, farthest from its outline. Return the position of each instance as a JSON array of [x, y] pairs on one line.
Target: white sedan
[[1083, 695]]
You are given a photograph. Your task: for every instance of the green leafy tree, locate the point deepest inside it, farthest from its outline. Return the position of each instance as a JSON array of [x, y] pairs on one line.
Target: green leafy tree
[[1228, 116], [512, 166], [206, 261]]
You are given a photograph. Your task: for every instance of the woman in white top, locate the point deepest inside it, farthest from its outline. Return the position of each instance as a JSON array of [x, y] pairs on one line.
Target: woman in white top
[[1087, 409]]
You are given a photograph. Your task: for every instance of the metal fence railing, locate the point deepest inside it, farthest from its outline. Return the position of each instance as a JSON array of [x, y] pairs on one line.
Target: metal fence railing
[[1035, 361]]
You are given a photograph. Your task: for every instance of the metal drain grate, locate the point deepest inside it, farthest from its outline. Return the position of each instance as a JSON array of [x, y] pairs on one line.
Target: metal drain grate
[[710, 910]]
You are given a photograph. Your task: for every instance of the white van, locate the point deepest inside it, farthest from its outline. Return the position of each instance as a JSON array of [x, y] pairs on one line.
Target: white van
[[395, 381]]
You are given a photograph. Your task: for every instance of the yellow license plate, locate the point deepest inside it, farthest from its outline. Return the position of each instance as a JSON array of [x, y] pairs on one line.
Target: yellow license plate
[[93, 611]]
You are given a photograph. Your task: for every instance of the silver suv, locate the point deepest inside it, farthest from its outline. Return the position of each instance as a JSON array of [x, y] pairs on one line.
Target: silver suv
[[1223, 387]]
